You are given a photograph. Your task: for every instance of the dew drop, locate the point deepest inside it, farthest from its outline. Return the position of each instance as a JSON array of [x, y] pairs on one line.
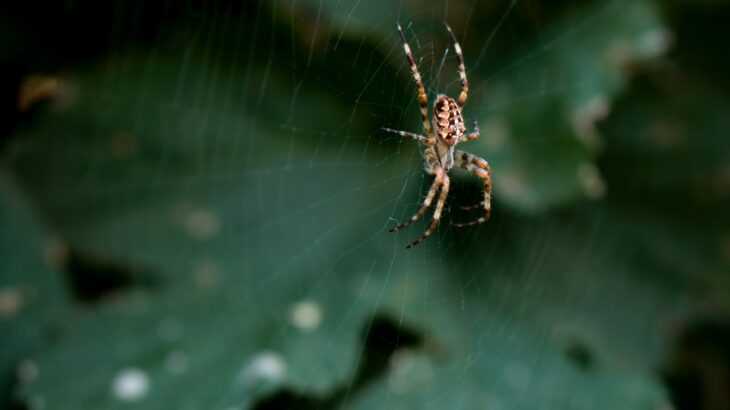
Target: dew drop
[[11, 301], [591, 181], [130, 384], [409, 372], [202, 224], [266, 366], [586, 116], [28, 371], [655, 42], [207, 274], [306, 315]]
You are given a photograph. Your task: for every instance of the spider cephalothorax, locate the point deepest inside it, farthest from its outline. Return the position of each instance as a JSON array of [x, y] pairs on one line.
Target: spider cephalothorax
[[439, 152]]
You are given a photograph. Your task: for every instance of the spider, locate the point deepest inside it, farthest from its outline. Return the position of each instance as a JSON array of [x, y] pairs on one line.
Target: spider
[[439, 145]]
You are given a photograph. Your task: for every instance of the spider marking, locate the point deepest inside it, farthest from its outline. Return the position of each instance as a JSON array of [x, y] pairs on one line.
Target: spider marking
[[441, 134]]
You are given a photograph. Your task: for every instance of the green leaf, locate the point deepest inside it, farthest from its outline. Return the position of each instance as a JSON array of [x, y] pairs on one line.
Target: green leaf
[[539, 106], [32, 296], [537, 98], [250, 181], [201, 187]]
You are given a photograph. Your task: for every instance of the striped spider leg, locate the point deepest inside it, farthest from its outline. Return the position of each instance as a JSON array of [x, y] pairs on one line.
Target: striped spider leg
[[441, 133]]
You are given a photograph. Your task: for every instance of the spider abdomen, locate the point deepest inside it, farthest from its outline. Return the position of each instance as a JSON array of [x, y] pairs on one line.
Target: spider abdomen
[[448, 122]]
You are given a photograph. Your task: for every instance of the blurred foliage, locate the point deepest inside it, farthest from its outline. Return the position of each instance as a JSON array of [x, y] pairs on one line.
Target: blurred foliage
[[196, 200]]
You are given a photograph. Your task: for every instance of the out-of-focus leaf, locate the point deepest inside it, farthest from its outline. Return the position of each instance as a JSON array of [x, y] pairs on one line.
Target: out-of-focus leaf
[[204, 171], [356, 18], [212, 216], [670, 152], [539, 108], [537, 101], [32, 297], [261, 199]]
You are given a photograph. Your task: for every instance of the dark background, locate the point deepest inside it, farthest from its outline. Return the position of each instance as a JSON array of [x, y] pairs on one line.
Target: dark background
[[196, 196]]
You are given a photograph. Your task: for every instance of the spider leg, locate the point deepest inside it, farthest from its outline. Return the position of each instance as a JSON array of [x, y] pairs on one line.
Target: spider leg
[[436, 213], [472, 136], [437, 183], [418, 137], [422, 97], [480, 168], [462, 70]]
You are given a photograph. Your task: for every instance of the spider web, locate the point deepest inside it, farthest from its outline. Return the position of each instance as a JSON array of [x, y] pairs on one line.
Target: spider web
[[231, 163]]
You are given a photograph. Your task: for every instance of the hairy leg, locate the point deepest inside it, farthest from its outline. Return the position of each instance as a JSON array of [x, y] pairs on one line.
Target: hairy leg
[[417, 137], [422, 97], [462, 70], [480, 168], [472, 136], [437, 183], [436, 214]]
